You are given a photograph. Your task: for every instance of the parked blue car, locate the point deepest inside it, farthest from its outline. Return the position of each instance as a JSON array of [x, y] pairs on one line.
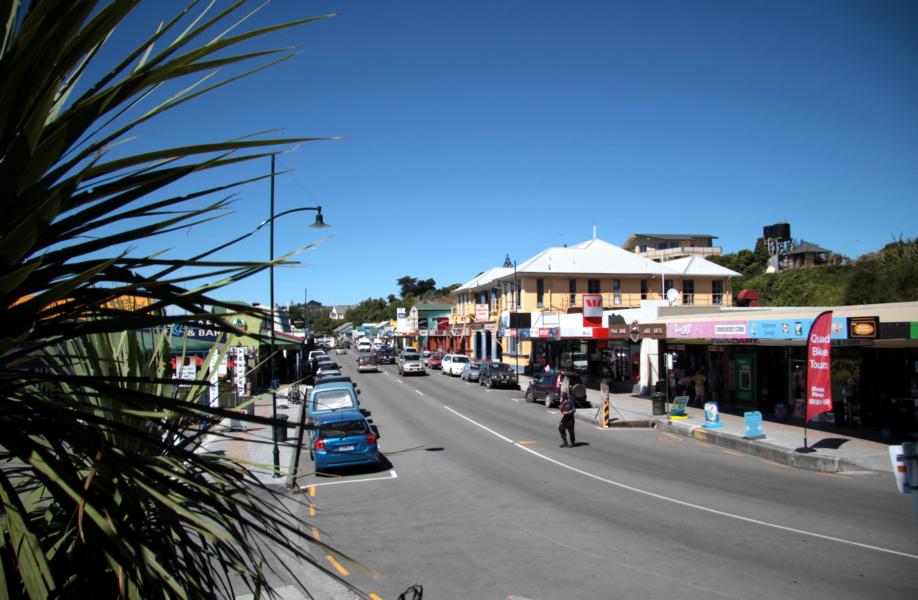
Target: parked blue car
[[343, 439], [326, 398]]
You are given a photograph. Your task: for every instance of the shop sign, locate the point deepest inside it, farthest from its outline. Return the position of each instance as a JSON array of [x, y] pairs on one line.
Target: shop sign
[[400, 312], [239, 378], [524, 333], [863, 327], [592, 310], [508, 333], [548, 318], [458, 331], [619, 331], [481, 312], [914, 330], [490, 326], [793, 329], [653, 331], [552, 333], [422, 332], [707, 330]]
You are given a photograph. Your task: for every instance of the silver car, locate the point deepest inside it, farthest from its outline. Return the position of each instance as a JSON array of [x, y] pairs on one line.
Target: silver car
[[409, 363]]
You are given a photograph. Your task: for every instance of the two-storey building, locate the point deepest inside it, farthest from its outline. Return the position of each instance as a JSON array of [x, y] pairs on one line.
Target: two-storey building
[[535, 315]]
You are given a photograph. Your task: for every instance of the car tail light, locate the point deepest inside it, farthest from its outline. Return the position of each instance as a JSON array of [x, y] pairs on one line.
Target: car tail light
[[371, 439], [320, 445]]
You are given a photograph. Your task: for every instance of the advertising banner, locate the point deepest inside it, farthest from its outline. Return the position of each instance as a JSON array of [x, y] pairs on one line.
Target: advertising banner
[[792, 329], [818, 366], [619, 331], [707, 330], [239, 361]]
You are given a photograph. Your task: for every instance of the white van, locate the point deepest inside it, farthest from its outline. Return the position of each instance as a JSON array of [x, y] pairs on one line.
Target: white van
[[364, 345]]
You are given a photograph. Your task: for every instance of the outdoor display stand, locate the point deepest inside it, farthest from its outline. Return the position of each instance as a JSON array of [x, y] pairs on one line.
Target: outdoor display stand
[[678, 409], [711, 415]]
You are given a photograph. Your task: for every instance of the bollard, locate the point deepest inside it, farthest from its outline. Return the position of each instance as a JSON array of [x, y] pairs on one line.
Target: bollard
[[605, 414]]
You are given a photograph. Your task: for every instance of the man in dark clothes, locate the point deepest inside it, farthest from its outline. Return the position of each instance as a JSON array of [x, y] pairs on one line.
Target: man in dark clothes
[[567, 420]]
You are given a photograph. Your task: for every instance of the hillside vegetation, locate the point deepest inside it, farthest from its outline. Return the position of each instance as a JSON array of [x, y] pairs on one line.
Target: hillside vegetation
[[889, 275]]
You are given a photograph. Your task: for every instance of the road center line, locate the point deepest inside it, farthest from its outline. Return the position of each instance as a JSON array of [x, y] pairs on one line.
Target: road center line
[[419, 392], [682, 502]]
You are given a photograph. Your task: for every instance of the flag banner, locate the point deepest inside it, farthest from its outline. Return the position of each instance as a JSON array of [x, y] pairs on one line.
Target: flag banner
[[818, 371]]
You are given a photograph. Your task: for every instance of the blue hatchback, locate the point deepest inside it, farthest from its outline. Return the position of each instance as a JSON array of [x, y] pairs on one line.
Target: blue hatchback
[[342, 439]]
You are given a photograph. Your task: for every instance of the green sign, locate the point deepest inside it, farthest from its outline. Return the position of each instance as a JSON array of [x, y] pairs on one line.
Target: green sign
[[914, 330], [745, 377]]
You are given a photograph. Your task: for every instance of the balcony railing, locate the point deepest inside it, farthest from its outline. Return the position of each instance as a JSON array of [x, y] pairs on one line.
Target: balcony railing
[[668, 253]]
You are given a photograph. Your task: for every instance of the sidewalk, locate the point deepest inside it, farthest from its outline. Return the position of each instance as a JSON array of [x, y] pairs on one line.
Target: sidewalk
[[834, 452]]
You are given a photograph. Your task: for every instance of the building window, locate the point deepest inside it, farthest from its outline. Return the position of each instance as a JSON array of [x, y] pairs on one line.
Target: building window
[[572, 291], [616, 291], [592, 286], [717, 292], [540, 293], [519, 290], [688, 291], [644, 289]]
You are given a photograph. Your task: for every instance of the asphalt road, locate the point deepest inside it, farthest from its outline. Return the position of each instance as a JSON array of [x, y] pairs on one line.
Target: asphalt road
[[477, 500]]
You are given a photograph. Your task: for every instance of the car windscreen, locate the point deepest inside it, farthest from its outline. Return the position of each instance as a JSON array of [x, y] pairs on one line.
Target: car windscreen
[[461, 359], [343, 429], [332, 400], [500, 367]]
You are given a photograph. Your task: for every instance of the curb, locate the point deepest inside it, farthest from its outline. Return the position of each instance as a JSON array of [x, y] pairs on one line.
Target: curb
[[760, 449]]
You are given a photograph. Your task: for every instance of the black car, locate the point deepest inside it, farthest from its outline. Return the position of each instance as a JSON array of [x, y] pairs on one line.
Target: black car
[[547, 388], [496, 374], [385, 356]]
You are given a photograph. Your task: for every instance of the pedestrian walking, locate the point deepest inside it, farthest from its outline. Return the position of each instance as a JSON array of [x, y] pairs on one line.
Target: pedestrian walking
[[566, 427], [699, 380]]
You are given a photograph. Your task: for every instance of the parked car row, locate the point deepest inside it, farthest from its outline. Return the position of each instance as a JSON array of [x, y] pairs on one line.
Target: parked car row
[[343, 433]]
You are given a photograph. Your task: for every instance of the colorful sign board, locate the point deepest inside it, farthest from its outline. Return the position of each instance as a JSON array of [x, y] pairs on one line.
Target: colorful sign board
[[793, 329], [863, 327], [592, 310], [711, 415], [678, 408], [481, 312], [707, 330]]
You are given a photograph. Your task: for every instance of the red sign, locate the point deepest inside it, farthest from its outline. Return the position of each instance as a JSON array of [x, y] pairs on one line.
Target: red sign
[[818, 372], [592, 310]]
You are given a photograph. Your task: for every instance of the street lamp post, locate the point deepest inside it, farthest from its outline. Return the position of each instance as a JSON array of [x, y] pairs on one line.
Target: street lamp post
[[319, 223]]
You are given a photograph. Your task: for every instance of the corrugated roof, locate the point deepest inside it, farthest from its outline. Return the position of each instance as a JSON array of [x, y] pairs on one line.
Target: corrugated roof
[[696, 265], [492, 274], [675, 236], [592, 257]]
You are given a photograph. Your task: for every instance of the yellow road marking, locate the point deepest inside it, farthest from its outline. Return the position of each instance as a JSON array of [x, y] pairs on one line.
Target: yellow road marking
[[338, 566], [374, 597], [668, 437], [700, 443], [312, 491], [832, 475], [732, 453], [315, 535], [773, 463], [526, 442], [312, 504]]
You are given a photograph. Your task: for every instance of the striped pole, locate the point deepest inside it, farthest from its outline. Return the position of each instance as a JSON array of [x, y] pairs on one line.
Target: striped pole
[[605, 414]]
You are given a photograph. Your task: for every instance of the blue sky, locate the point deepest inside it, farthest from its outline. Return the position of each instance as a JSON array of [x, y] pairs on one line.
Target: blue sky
[[472, 130]]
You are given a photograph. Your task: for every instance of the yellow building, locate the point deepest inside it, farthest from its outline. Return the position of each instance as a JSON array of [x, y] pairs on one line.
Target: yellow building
[[534, 313]]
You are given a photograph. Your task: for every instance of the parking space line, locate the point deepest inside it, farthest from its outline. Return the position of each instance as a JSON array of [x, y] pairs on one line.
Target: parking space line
[[392, 475], [338, 566], [832, 475], [732, 453], [374, 597], [773, 463]]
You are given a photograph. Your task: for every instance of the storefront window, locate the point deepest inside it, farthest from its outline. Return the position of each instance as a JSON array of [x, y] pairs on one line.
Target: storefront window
[[540, 293]]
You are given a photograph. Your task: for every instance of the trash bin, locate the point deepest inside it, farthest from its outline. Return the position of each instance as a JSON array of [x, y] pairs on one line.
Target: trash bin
[[280, 428], [659, 404]]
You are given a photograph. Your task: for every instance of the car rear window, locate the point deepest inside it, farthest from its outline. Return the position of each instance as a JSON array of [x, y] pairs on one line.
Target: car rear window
[[500, 367], [411, 356], [462, 359], [343, 429], [332, 400]]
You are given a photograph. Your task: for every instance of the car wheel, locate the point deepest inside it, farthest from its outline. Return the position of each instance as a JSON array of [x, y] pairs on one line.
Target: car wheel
[[490, 384], [529, 397], [547, 401]]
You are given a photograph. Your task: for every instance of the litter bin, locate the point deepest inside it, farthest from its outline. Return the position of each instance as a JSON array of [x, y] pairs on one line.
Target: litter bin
[[280, 428], [659, 404]]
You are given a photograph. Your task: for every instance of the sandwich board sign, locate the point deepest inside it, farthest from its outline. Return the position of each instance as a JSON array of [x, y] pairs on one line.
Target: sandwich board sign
[[678, 409]]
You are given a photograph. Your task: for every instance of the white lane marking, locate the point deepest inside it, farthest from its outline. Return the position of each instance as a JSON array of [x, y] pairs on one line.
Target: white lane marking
[[477, 424], [399, 380], [419, 392], [392, 475], [683, 502]]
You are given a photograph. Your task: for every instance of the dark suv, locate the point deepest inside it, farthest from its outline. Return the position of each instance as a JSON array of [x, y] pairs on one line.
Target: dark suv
[[385, 356], [547, 388], [495, 374]]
